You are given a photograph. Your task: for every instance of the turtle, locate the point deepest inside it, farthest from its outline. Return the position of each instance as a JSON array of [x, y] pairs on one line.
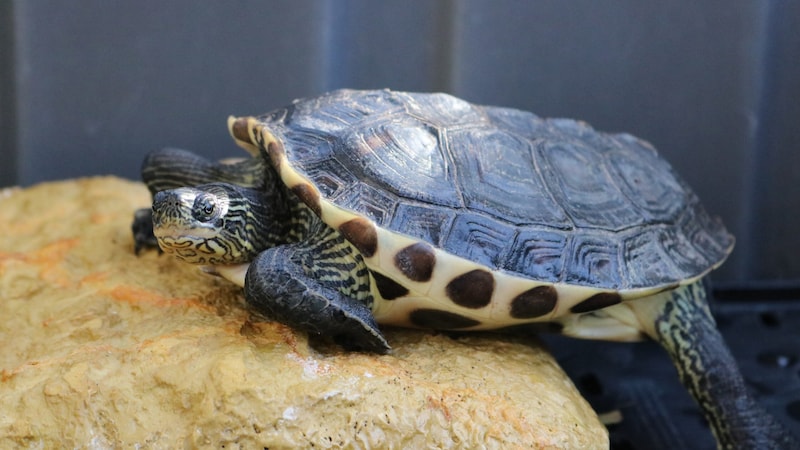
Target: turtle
[[362, 208]]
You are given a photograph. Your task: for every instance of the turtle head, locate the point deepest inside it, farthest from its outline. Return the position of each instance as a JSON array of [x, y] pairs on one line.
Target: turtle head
[[211, 224]]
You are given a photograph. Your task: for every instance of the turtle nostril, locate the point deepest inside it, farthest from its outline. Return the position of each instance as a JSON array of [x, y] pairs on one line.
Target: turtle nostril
[[166, 199], [159, 197]]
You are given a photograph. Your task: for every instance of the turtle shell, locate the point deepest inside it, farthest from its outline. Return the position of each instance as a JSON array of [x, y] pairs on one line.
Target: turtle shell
[[428, 184]]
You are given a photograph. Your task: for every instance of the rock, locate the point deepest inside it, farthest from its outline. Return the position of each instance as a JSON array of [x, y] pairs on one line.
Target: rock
[[102, 348]]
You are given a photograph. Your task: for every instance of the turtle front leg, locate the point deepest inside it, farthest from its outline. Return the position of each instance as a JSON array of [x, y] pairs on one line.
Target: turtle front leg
[[142, 228], [681, 321], [280, 283]]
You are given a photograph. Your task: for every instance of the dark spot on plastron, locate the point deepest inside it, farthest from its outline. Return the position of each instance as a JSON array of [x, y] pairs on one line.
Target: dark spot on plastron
[[534, 302], [471, 290], [589, 384], [240, 130], [772, 359], [387, 287], [597, 301], [309, 196], [416, 261], [438, 319], [793, 410], [769, 319], [361, 234]]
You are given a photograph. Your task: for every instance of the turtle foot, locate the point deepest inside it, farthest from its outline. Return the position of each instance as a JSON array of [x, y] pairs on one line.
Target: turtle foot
[[142, 228], [278, 287]]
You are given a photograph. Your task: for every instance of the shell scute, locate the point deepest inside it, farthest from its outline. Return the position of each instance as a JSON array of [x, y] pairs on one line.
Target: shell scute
[[677, 244], [330, 176], [578, 178], [429, 223], [645, 259], [376, 204], [442, 110], [594, 261], [495, 166], [522, 123], [481, 239], [647, 181], [542, 251], [707, 235], [403, 157], [340, 110]]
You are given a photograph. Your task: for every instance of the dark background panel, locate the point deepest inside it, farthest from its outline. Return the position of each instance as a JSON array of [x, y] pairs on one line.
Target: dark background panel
[[399, 44], [100, 83], [8, 126], [89, 87], [773, 218]]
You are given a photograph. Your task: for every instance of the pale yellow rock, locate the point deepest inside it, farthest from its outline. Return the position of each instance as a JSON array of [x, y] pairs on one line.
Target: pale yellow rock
[[103, 349]]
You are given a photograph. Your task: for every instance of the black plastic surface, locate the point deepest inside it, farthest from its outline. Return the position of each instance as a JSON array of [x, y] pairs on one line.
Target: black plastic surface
[[639, 382]]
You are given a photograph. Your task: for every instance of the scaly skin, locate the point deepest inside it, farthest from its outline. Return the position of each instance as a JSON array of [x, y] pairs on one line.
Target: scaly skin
[[681, 322]]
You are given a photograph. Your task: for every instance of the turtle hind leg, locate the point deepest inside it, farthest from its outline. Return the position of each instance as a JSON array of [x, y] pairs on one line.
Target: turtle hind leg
[[681, 322], [280, 283]]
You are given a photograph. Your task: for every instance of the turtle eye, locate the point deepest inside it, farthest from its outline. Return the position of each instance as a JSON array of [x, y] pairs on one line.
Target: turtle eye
[[204, 209]]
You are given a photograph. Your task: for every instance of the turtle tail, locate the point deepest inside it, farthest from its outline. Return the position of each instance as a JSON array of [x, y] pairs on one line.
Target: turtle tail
[[685, 327]]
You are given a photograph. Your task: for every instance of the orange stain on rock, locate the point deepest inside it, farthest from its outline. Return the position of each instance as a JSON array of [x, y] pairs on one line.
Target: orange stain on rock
[[134, 295]]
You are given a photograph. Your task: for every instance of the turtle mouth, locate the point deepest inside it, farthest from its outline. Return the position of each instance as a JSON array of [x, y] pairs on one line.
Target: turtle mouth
[[180, 234]]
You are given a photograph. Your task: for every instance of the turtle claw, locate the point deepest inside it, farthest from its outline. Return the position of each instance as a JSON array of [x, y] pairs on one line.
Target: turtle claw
[[142, 228], [351, 345], [363, 336]]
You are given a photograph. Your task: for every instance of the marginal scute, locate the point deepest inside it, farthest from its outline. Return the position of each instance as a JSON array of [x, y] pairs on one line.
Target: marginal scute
[[361, 234], [597, 301], [309, 196], [441, 320], [276, 154], [471, 290], [534, 302], [387, 287], [416, 261], [241, 130]]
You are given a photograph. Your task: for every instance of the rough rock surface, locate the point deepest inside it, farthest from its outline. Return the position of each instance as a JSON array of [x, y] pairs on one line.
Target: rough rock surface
[[101, 349]]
